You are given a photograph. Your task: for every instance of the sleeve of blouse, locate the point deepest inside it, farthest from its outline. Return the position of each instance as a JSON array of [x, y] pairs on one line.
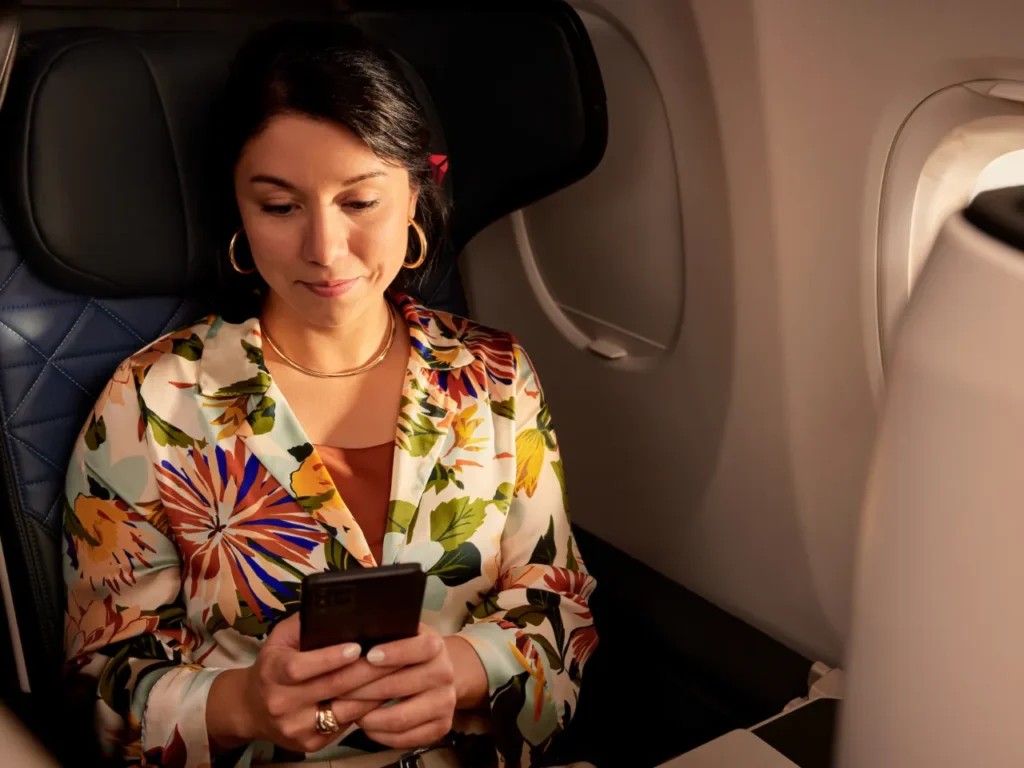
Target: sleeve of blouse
[[534, 631], [125, 628]]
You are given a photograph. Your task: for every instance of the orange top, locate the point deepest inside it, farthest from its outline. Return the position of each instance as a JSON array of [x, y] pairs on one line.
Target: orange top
[[363, 478]]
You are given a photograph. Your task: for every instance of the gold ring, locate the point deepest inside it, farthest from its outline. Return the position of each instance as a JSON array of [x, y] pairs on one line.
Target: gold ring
[[326, 722]]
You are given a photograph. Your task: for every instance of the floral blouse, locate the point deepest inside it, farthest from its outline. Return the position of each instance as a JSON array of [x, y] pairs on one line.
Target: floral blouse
[[196, 503]]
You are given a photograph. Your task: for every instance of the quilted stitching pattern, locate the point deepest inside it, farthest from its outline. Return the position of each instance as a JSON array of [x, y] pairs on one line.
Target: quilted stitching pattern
[[57, 350]]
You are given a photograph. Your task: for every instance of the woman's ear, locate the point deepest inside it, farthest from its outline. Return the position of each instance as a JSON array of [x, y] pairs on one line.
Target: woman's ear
[[413, 199]]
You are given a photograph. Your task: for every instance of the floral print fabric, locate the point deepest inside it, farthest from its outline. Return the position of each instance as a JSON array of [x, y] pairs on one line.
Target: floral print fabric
[[195, 504]]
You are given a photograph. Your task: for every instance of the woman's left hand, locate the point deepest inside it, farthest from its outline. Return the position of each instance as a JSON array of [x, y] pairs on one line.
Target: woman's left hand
[[424, 678]]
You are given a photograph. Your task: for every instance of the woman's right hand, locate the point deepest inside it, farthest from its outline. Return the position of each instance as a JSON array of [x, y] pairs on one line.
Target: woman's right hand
[[280, 692]]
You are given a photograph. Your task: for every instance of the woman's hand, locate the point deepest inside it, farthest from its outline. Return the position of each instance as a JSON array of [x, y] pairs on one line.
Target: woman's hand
[[424, 680], [276, 698]]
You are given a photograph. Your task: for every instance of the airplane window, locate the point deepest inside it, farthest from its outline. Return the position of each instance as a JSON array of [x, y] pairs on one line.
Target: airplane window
[[957, 143], [607, 253], [983, 154], [1005, 171]]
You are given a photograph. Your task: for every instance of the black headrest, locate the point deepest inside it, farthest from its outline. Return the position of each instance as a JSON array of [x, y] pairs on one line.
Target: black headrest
[[103, 142]]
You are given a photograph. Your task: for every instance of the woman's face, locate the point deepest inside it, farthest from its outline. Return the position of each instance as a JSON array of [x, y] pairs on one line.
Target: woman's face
[[326, 219]]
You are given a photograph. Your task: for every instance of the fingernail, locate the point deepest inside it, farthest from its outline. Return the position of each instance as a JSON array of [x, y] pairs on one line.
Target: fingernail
[[376, 656], [350, 651]]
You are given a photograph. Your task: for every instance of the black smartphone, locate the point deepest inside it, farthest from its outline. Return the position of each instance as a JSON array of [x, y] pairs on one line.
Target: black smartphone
[[368, 606]]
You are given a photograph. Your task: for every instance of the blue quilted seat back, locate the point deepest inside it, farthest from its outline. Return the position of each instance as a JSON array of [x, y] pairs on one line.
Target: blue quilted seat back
[[57, 351]]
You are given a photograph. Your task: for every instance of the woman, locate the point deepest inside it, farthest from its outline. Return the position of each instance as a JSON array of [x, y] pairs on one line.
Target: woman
[[325, 422]]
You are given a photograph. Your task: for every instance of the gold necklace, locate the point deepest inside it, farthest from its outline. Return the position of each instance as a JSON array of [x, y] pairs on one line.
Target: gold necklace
[[392, 329]]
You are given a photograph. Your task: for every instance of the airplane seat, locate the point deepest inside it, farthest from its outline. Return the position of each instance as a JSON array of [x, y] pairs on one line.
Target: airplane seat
[[104, 244], [934, 671]]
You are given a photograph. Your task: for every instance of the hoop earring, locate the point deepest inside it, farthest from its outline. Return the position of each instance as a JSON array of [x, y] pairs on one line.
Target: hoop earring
[[423, 246], [231, 255]]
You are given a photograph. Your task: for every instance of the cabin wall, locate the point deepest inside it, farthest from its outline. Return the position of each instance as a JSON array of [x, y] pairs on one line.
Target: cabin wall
[[735, 462]]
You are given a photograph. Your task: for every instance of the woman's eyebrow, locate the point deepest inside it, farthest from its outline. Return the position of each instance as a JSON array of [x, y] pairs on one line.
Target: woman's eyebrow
[[264, 179], [261, 178], [363, 177]]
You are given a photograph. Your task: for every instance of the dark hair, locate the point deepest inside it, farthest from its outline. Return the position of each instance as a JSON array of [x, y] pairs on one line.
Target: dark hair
[[331, 72]]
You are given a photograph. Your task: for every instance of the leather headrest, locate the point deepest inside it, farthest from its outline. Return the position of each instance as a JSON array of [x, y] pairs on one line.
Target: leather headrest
[[104, 150], [103, 129]]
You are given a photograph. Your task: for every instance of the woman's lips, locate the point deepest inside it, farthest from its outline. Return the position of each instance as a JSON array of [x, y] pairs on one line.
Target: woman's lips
[[332, 289]]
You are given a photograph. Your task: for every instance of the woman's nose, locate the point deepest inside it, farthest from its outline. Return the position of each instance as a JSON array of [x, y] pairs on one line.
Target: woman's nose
[[326, 237]]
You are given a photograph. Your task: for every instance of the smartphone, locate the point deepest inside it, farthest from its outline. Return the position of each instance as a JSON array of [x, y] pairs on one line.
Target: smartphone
[[368, 606]]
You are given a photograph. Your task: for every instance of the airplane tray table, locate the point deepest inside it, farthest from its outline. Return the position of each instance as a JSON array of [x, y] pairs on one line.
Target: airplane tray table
[[800, 738]]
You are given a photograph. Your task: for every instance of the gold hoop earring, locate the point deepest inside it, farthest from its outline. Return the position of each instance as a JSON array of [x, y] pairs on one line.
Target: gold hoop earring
[[231, 255], [421, 235]]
